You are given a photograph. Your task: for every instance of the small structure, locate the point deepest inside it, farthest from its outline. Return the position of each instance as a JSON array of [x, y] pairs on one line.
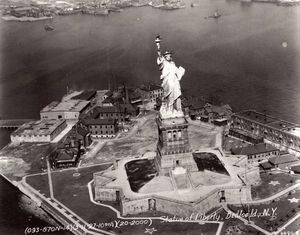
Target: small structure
[[147, 96], [70, 150], [101, 95], [79, 133], [69, 110], [257, 152], [283, 160], [218, 114], [65, 158], [38, 131], [153, 91], [296, 169]]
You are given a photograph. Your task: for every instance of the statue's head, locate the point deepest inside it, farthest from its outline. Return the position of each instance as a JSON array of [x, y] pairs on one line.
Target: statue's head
[[168, 55]]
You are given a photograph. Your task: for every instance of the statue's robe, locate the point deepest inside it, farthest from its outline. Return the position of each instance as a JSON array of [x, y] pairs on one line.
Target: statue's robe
[[170, 76]]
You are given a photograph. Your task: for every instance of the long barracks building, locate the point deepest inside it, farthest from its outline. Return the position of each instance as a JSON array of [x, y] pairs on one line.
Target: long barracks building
[[277, 131]]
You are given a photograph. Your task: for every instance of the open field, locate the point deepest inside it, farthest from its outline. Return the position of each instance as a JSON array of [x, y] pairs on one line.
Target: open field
[[144, 138]]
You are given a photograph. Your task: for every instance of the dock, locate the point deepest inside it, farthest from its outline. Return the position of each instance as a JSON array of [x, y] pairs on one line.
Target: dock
[[13, 123]]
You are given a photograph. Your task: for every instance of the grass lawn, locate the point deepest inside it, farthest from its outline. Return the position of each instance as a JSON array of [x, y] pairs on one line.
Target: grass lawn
[[284, 211], [230, 142], [140, 172], [292, 228], [265, 189], [62, 178], [201, 137]]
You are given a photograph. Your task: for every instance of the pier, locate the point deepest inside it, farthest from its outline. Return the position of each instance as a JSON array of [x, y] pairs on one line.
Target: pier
[[13, 123]]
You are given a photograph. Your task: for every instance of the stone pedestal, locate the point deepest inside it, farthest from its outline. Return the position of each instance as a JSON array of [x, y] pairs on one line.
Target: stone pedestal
[[180, 179], [173, 148]]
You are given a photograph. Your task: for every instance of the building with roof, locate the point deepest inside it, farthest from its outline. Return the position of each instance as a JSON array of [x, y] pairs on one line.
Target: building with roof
[[67, 109], [147, 96], [257, 152], [38, 131], [101, 128], [79, 135], [296, 169], [72, 147], [273, 129], [153, 91], [108, 112], [65, 158], [283, 160], [101, 95], [198, 108], [241, 134]]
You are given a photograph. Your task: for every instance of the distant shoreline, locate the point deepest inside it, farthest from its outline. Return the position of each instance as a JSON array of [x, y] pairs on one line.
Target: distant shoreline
[[25, 18]]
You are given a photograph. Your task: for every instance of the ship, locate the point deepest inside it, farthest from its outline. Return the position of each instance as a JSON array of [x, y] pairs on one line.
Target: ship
[[48, 27], [216, 15]]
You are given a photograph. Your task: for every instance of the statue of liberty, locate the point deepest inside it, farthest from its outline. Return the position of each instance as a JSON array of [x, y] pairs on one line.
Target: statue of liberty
[[170, 76]]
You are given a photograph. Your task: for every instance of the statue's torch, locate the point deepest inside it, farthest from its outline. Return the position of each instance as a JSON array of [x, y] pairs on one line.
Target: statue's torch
[[157, 41]]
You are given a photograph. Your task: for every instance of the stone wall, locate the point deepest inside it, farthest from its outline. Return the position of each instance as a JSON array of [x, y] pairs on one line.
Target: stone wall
[[185, 209], [135, 206], [105, 194]]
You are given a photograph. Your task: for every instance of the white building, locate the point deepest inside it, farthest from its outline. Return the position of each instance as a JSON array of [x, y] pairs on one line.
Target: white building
[[38, 131], [67, 109]]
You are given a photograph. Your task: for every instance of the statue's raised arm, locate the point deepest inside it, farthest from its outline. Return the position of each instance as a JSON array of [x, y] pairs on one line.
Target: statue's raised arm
[[170, 77]]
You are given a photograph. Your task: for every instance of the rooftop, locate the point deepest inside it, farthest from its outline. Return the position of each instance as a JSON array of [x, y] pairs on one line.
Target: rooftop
[[66, 105], [221, 110], [40, 127], [108, 109], [281, 159], [98, 121], [151, 87], [254, 149], [85, 95], [66, 154]]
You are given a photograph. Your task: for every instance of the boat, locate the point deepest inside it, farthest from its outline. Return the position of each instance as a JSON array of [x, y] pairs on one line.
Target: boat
[[48, 27], [216, 15]]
